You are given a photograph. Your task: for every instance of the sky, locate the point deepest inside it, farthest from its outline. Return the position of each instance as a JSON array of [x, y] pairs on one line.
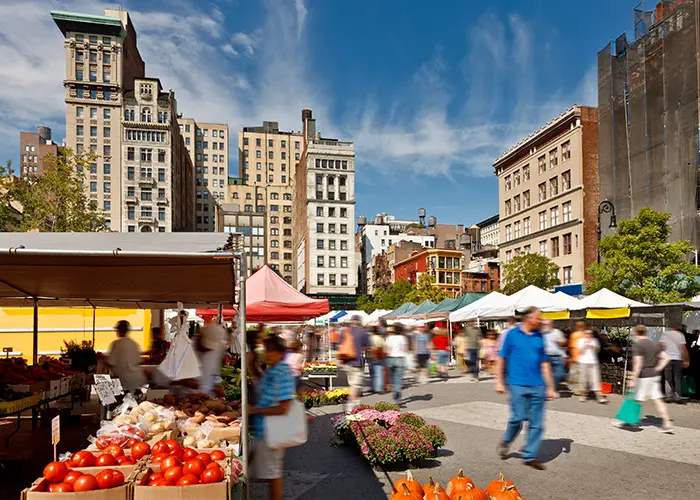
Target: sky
[[430, 92]]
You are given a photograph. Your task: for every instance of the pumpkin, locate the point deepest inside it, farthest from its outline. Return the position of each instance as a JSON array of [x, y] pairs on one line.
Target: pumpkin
[[429, 488], [412, 485], [506, 493], [499, 485], [403, 493], [437, 494], [458, 483], [471, 492]]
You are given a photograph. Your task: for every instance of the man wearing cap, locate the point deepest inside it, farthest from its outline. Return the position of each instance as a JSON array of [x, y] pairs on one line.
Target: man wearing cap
[[124, 359]]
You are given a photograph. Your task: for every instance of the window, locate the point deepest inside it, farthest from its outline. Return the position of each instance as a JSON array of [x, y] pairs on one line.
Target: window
[[555, 247], [93, 131], [161, 175], [526, 226], [249, 208], [79, 130], [543, 220], [507, 182], [296, 144], [344, 262], [131, 214], [331, 261], [509, 235], [108, 187], [553, 186], [542, 164], [516, 178], [319, 227], [274, 196], [508, 209], [344, 279], [344, 213], [107, 132], [567, 273], [554, 216], [258, 154], [516, 203], [331, 279], [319, 211], [130, 154], [509, 257], [319, 280], [93, 187], [566, 211], [146, 195], [566, 180], [107, 205], [93, 168], [516, 230], [274, 255], [526, 199], [319, 244], [79, 93], [287, 196], [296, 156], [245, 153], [107, 169], [526, 173], [553, 159], [331, 212], [331, 244], [542, 191], [275, 243], [566, 243], [343, 229], [331, 228], [106, 114], [543, 248], [106, 76], [107, 58], [565, 151], [343, 244], [79, 76], [78, 113]]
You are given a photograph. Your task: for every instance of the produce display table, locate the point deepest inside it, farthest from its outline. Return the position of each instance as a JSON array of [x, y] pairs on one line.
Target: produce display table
[[328, 379]]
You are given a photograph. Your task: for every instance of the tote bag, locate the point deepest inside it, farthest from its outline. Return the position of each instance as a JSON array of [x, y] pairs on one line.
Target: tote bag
[[630, 411], [288, 430], [181, 361], [346, 352]]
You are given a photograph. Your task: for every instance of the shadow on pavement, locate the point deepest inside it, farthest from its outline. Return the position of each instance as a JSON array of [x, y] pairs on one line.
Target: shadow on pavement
[[552, 448]]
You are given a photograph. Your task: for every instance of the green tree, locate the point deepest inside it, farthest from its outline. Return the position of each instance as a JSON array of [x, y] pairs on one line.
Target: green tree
[[529, 269], [640, 263], [389, 297], [54, 200], [425, 289]]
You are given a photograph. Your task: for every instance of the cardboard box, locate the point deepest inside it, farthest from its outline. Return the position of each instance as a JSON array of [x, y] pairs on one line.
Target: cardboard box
[[65, 386], [141, 490], [162, 436], [230, 434], [35, 388], [54, 388], [39, 491], [129, 471]]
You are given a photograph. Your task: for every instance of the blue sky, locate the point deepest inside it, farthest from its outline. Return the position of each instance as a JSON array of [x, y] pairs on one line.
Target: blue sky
[[431, 92]]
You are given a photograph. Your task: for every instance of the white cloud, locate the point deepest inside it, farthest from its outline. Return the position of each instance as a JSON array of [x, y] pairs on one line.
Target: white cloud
[[302, 12], [247, 41]]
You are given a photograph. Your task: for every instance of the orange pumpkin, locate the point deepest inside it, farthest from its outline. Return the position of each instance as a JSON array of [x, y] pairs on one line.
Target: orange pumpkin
[[412, 485], [403, 493], [506, 493], [430, 487], [458, 483], [499, 485], [437, 494], [471, 493]]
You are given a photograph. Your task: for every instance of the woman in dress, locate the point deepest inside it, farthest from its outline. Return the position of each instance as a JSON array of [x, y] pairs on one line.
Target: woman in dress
[[489, 351]]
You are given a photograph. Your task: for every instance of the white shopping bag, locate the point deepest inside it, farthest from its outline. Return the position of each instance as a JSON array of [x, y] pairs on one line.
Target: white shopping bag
[[289, 430], [181, 361]]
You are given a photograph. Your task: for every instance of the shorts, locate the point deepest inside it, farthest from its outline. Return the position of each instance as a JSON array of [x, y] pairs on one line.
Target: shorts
[[423, 360], [268, 463], [356, 376], [443, 358], [648, 388]]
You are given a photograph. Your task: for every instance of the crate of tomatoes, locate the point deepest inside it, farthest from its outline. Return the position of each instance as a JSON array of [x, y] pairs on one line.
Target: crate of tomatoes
[[102, 483]]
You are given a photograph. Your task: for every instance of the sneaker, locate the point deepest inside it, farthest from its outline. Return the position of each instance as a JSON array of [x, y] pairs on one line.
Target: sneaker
[[666, 430], [602, 400], [619, 424], [503, 449], [535, 464]]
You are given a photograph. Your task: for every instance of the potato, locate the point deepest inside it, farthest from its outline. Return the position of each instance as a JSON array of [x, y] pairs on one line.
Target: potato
[[198, 418], [189, 441], [180, 414]]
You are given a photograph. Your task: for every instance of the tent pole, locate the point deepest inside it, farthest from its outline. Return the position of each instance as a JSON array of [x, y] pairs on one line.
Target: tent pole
[[244, 371], [94, 314], [627, 351], [35, 333], [449, 329]]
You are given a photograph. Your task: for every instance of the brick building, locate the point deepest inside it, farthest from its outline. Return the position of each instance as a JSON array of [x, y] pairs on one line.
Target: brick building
[[481, 276], [33, 148], [443, 264]]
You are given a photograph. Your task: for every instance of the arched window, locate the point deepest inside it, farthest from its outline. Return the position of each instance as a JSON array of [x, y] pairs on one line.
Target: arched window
[[146, 115], [160, 117], [131, 114]]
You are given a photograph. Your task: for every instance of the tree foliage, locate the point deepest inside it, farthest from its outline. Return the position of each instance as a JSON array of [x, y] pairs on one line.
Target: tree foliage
[[425, 289], [52, 201], [641, 264], [529, 269], [400, 292]]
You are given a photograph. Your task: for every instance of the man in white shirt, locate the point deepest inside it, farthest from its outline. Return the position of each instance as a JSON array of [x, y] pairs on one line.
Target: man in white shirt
[[674, 345], [210, 344], [124, 359]]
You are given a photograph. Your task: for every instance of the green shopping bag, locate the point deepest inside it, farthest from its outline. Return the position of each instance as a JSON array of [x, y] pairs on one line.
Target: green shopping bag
[[432, 368], [688, 387], [630, 412]]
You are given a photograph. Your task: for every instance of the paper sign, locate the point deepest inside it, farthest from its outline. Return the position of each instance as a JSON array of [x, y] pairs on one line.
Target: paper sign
[[104, 392], [102, 379], [117, 389], [56, 430]]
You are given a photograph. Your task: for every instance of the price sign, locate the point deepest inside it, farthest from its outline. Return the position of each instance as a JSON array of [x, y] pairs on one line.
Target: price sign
[[117, 389], [55, 433], [104, 389]]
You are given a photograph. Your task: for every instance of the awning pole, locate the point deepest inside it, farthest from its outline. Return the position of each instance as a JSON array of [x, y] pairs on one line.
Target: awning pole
[[449, 329], [94, 314], [35, 333], [244, 371]]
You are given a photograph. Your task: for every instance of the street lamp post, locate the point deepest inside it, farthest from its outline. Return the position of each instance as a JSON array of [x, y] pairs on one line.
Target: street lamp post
[[605, 207]]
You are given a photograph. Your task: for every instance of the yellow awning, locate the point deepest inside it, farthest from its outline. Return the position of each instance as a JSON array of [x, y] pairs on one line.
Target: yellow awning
[[556, 315], [622, 312]]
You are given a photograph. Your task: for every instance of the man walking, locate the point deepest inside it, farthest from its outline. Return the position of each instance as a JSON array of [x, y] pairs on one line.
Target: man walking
[[554, 342], [674, 346], [529, 382], [360, 343], [574, 351], [473, 339]]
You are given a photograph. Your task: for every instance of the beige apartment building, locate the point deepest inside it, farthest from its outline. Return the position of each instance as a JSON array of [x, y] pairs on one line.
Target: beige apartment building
[[267, 157], [142, 177], [207, 145], [548, 193]]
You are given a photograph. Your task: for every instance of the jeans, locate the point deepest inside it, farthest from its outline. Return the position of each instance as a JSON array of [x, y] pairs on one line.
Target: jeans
[[377, 368], [526, 404], [473, 361], [673, 373], [396, 367], [558, 369]]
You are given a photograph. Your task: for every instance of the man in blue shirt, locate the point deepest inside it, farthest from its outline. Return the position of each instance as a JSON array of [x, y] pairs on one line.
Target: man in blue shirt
[[530, 384]]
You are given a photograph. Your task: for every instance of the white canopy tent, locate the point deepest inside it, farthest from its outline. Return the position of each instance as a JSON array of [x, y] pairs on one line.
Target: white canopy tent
[[573, 303], [351, 314], [506, 306], [607, 299], [476, 308], [373, 318]]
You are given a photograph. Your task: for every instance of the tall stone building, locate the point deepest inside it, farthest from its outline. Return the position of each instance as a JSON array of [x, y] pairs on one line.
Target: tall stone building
[[33, 148], [142, 177], [267, 157], [324, 214], [207, 145], [548, 194]]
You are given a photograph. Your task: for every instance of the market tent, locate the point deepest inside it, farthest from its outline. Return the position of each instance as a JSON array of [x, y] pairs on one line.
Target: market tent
[[573, 303], [420, 311], [373, 318], [530, 296], [476, 308], [271, 299], [347, 318], [337, 315], [607, 299], [401, 310]]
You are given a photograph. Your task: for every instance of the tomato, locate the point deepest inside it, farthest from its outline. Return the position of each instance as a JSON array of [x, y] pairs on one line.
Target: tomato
[[155, 477], [117, 478], [172, 445], [212, 475], [115, 450], [86, 482], [160, 447], [204, 457], [106, 460], [173, 473], [165, 482], [82, 459], [104, 479], [187, 480], [61, 488], [131, 442], [140, 450], [194, 467], [55, 472], [218, 455], [72, 476], [126, 461], [177, 453], [101, 443], [170, 462], [188, 454]]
